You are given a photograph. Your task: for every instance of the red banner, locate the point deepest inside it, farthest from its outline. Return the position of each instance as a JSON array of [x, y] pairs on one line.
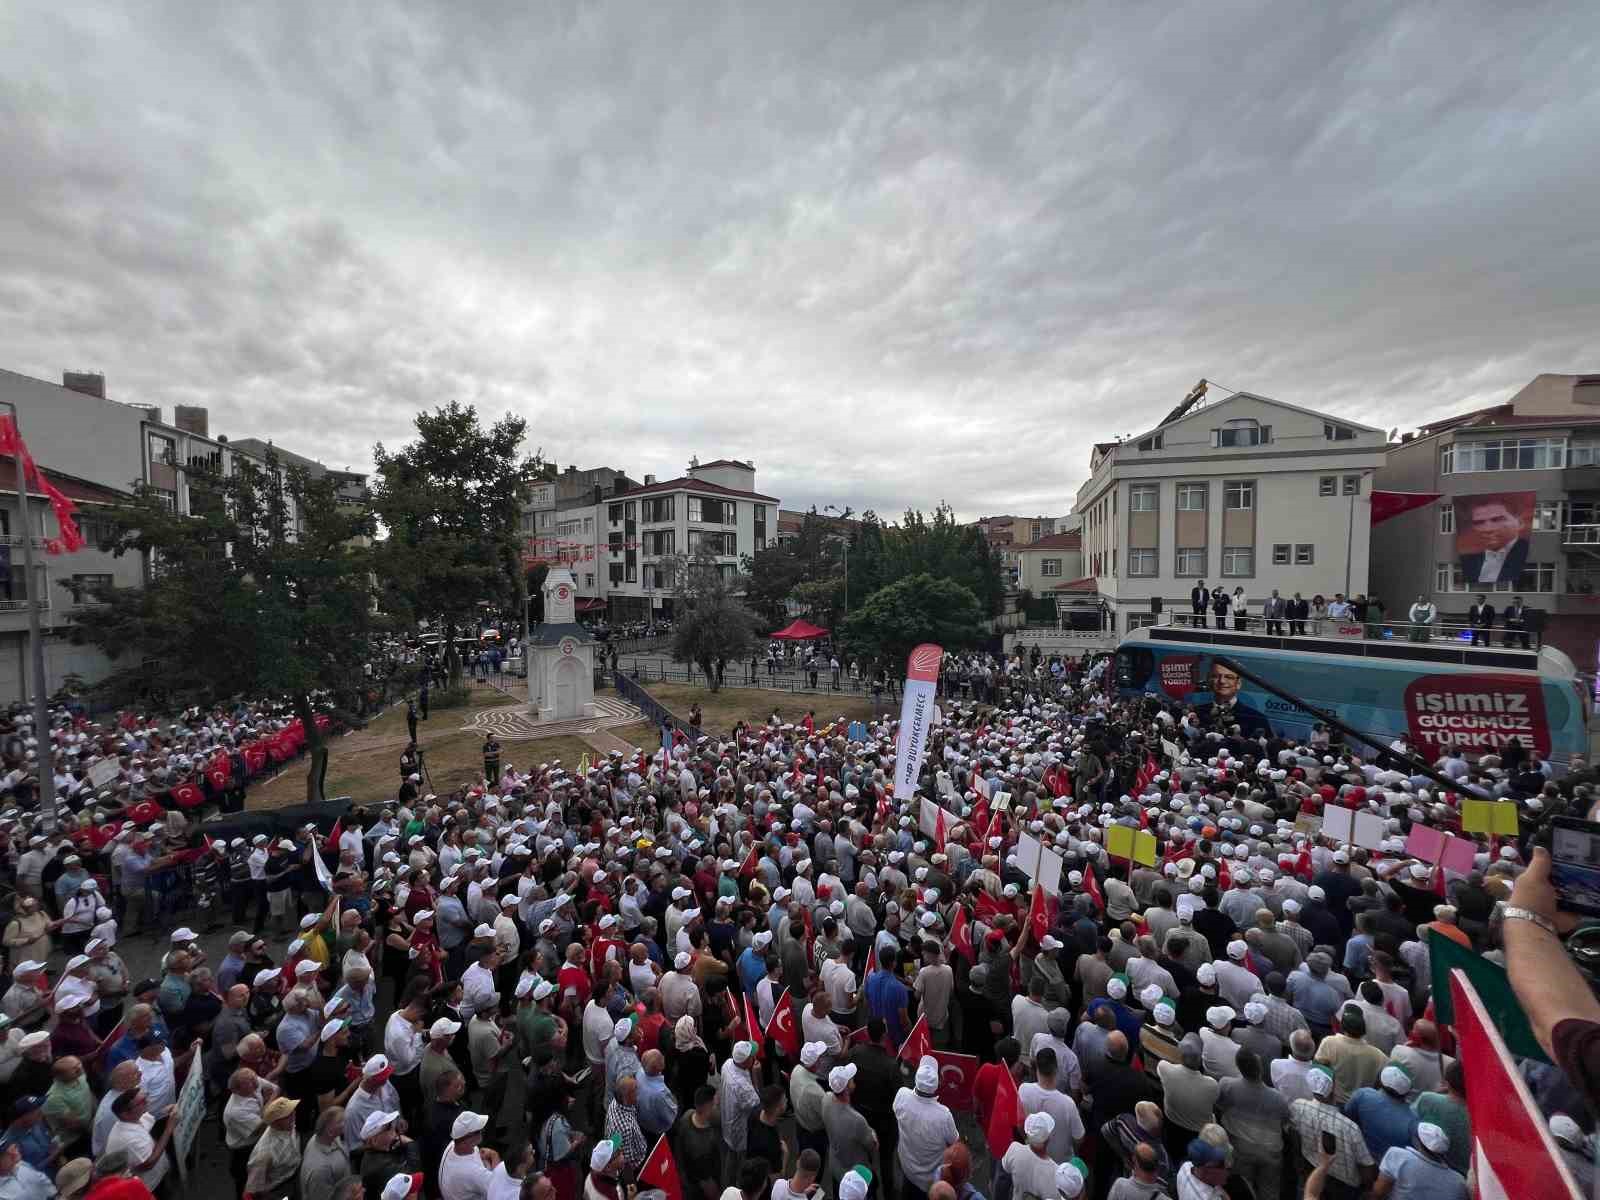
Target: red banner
[[1478, 713], [1513, 1153], [783, 1029], [1392, 504], [957, 1073], [918, 1042], [1004, 1118], [65, 510], [961, 935], [661, 1171]]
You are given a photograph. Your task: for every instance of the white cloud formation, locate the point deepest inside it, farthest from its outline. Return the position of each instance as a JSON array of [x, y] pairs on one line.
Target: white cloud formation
[[894, 253]]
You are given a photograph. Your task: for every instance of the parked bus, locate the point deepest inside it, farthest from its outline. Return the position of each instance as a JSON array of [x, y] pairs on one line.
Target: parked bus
[[1444, 694]]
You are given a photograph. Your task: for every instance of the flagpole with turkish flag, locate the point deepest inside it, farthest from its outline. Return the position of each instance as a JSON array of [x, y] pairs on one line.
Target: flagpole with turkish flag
[[1392, 504], [661, 1171], [1000, 1128], [782, 1029], [960, 939], [918, 1042]]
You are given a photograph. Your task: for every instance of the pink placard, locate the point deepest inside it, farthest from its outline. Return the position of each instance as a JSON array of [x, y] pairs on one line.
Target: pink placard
[[1458, 855], [1425, 842]]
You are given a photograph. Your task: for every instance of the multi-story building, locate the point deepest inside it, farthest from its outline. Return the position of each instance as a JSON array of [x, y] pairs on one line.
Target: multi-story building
[[714, 506], [1005, 534], [1518, 512], [1045, 564], [1247, 491]]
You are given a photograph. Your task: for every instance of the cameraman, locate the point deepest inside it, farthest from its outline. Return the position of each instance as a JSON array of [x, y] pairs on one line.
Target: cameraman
[[1560, 1005]]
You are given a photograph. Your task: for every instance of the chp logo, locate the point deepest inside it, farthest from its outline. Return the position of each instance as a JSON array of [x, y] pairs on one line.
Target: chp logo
[[1179, 675], [1478, 713]]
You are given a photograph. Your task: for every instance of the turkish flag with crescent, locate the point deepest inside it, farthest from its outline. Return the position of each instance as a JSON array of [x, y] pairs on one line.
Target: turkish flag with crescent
[[987, 907], [1091, 888], [957, 1073], [660, 1171], [918, 1042], [1038, 914], [961, 935], [1001, 1126], [1392, 504], [783, 1029]]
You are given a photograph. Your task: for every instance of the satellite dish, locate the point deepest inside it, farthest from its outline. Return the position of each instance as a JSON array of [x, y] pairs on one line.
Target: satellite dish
[[1394, 433]]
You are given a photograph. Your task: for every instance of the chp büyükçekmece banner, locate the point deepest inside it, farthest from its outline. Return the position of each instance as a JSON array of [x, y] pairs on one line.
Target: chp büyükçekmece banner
[[916, 716]]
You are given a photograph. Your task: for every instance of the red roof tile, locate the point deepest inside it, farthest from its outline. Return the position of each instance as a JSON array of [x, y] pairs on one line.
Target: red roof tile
[[1086, 584], [1071, 540]]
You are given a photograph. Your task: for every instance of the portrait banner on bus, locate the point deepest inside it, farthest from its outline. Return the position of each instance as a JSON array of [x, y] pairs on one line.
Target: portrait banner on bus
[[1492, 536]]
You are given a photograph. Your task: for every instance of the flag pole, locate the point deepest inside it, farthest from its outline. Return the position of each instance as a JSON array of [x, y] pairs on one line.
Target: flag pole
[[46, 757]]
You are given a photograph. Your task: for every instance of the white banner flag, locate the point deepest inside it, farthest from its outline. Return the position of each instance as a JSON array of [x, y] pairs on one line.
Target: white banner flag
[[916, 717]]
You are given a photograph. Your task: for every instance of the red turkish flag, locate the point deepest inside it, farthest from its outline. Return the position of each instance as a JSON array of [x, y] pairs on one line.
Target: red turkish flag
[[748, 869], [1038, 915], [1091, 888], [186, 795], [957, 1073], [753, 1025], [1004, 1117], [918, 1042], [783, 1029], [872, 961], [980, 820], [661, 1171], [1224, 876], [961, 935], [1392, 504], [987, 906]]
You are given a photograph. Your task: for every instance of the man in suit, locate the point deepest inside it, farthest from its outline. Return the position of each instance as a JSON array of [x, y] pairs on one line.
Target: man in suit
[[1481, 617], [1516, 619], [1297, 610], [1226, 708], [1504, 538], [1272, 612], [1219, 606], [1199, 597]]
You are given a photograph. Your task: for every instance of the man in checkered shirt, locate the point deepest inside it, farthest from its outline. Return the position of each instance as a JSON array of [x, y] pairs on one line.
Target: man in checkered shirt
[[1353, 1169]]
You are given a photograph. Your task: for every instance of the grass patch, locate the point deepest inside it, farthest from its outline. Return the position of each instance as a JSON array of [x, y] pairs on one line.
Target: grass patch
[[720, 710], [641, 733]]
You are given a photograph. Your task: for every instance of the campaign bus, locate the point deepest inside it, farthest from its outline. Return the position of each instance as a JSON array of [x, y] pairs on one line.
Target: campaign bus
[[1444, 694]]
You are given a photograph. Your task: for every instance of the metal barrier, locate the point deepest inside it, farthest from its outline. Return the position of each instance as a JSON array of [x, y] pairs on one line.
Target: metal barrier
[[1390, 628], [658, 713]]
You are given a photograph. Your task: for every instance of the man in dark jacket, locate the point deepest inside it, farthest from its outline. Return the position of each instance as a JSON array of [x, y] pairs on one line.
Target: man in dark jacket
[[1481, 617]]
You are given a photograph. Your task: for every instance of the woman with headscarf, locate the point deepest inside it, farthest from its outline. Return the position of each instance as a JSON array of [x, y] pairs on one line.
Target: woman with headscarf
[[691, 1065]]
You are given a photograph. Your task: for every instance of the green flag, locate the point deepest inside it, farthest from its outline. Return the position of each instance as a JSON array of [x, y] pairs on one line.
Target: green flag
[[1493, 987]]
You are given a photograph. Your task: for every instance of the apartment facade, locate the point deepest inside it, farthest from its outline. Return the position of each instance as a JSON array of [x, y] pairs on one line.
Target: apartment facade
[[1526, 472], [1246, 492], [1045, 564]]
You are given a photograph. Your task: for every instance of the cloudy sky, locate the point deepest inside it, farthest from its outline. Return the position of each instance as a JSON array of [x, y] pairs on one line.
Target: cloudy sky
[[896, 253]]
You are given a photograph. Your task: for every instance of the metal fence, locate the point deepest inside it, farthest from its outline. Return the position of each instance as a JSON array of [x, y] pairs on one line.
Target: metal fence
[[656, 712], [737, 675]]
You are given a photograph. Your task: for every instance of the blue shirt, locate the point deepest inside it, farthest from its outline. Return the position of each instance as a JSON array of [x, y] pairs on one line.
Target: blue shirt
[[886, 998], [1128, 1024], [1385, 1122], [752, 970], [124, 1048], [1417, 1178], [34, 1141], [655, 1107], [1317, 999], [1357, 952]]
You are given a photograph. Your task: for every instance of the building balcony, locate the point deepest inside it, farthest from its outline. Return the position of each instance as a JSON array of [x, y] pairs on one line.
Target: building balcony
[[21, 606], [15, 540], [1581, 479], [1581, 535]]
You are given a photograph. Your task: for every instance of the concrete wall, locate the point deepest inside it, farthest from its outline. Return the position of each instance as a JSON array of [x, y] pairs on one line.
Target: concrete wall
[[94, 439]]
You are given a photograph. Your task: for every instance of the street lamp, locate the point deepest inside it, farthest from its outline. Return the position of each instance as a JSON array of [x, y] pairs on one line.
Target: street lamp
[[41, 709]]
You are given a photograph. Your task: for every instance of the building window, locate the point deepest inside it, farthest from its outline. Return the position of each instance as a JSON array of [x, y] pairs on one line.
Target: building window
[[657, 509], [1535, 577], [1583, 454], [1238, 497], [89, 587], [1280, 554], [1547, 517], [1242, 431], [1504, 454], [1238, 561], [1352, 485], [1305, 554], [614, 513], [659, 541], [1050, 567], [1153, 442], [1142, 620], [588, 580], [616, 574], [1328, 485], [1191, 562], [1192, 497], [1142, 562], [1142, 498], [694, 508], [633, 573], [1447, 518], [1338, 433]]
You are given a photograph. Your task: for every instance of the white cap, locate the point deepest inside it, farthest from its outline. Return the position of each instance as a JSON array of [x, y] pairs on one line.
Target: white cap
[[332, 1029], [600, 1157], [184, 934], [374, 1066], [681, 963], [1038, 1128], [1219, 1016], [928, 1075], [1394, 1078], [1069, 1181], [1255, 1012], [1435, 1140], [377, 1121], [1206, 974], [811, 1052], [1564, 1129], [1237, 950], [854, 1185], [1164, 1013], [444, 1027], [467, 1124], [1320, 1081], [839, 1078], [743, 1052], [1116, 988]]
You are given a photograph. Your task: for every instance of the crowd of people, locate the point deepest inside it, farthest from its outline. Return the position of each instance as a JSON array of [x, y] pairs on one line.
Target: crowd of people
[[559, 985]]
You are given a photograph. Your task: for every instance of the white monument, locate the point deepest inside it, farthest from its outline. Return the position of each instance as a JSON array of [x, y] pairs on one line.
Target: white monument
[[561, 655]]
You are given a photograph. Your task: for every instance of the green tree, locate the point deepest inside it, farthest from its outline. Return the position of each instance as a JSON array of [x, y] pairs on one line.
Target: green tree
[[919, 608], [936, 545], [709, 622], [264, 591], [449, 504]]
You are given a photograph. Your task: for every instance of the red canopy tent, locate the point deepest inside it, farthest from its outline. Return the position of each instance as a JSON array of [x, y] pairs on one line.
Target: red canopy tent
[[800, 631]]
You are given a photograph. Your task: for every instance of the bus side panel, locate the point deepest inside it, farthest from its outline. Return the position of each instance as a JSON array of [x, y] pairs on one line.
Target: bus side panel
[[1477, 711]]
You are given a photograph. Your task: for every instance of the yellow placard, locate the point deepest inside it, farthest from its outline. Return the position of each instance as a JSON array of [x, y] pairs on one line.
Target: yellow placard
[[1144, 847], [1489, 816], [1119, 841]]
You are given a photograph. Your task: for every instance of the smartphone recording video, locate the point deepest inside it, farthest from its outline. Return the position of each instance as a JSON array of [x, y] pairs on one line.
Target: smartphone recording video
[[1575, 865]]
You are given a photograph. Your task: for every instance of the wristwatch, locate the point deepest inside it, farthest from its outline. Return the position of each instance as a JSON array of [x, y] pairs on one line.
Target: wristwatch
[[1512, 913]]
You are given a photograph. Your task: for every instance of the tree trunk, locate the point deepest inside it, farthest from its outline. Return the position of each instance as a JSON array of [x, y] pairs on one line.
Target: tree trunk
[[710, 669], [316, 748]]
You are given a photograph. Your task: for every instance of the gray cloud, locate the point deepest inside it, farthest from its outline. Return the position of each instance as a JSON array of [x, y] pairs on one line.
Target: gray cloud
[[896, 254]]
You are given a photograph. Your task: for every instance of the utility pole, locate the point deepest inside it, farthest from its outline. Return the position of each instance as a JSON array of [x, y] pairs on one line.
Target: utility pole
[[45, 756]]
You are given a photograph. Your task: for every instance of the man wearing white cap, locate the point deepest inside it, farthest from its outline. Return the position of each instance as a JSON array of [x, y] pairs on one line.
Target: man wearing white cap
[[1384, 1112], [926, 1130], [739, 1101], [1418, 1171], [1353, 1164], [466, 1167], [850, 1137], [1032, 1170], [808, 1097]]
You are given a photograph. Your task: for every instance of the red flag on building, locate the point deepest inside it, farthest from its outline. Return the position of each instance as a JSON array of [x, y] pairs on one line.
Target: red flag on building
[[961, 935], [783, 1030], [1001, 1126], [661, 1171], [918, 1042], [957, 1073], [1091, 888], [1392, 504]]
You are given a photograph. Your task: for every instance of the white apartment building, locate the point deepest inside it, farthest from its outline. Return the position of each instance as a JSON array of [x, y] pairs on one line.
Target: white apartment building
[[714, 505], [1247, 491]]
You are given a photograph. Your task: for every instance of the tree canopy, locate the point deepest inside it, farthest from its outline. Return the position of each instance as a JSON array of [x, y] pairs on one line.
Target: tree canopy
[[709, 620], [919, 608], [265, 590]]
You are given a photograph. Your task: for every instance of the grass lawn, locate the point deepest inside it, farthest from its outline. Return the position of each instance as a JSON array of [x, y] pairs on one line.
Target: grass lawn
[[720, 710], [641, 733]]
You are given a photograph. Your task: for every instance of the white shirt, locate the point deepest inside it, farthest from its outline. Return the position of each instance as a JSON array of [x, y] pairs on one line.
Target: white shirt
[[926, 1130], [158, 1081], [502, 1186], [598, 1030], [1494, 562], [1030, 1174], [477, 989], [463, 1176], [402, 1044], [1069, 1125], [134, 1137], [1289, 1078]]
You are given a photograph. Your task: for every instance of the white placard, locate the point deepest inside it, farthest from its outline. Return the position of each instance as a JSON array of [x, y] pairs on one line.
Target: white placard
[[1050, 864], [1338, 824], [943, 783], [1002, 802], [981, 786], [928, 817], [104, 772], [1028, 851], [1370, 830], [1172, 750]]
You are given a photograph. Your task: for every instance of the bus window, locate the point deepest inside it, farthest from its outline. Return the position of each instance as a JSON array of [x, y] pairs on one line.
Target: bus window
[[1135, 666]]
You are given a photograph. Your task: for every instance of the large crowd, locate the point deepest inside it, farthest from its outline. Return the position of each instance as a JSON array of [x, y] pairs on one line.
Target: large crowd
[[740, 968]]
